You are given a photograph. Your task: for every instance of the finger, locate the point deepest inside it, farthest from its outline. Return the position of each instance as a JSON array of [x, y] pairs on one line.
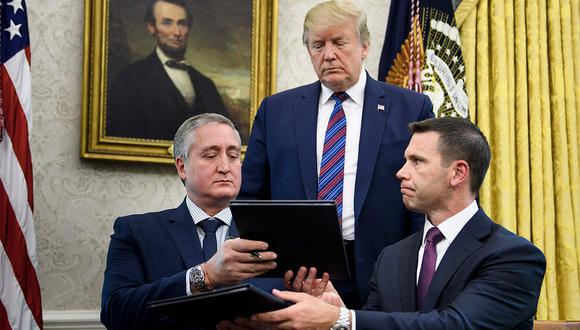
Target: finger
[[290, 296], [245, 245], [308, 285], [253, 268], [299, 279], [254, 256], [288, 276], [321, 285]]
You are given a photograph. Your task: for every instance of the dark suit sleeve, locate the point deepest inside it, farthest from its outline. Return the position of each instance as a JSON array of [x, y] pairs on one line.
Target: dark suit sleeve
[[503, 293], [255, 169], [125, 291]]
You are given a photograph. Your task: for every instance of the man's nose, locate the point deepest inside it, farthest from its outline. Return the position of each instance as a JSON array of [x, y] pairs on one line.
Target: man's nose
[[401, 173], [329, 52], [176, 30], [223, 165]]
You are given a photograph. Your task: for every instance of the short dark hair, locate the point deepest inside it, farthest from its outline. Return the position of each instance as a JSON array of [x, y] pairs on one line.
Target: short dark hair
[[459, 139], [150, 15]]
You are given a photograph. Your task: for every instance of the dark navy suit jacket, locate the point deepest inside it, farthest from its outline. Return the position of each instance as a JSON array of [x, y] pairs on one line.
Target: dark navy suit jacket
[[143, 102], [280, 161], [148, 258], [489, 278]]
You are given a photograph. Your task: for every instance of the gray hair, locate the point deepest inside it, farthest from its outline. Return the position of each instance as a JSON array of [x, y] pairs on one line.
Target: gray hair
[[185, 135], [336, 13]]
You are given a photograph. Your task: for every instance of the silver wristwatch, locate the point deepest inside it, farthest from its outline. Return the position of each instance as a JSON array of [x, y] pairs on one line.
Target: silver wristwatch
[[197, 279], [343, 322]]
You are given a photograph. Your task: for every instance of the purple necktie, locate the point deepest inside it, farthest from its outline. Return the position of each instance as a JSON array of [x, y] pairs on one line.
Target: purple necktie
[[331, 178], [433, 237]]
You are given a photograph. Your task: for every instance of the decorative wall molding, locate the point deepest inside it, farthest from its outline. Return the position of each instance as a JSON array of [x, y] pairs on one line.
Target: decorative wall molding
[[72, 319]]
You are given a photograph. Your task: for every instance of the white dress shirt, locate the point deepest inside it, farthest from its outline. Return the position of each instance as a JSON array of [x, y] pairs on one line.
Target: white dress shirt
[[449, 228], [180, 78], [221, 233], [353, 108]]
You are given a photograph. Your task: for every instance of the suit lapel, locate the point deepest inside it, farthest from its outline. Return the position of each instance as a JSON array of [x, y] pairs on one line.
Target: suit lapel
[[408, 273], [466, 243], [182, 229], [371, 133], [162, 85], [305, 119]]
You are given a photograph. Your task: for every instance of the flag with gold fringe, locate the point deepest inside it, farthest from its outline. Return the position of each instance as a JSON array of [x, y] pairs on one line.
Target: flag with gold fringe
[[422, 52]]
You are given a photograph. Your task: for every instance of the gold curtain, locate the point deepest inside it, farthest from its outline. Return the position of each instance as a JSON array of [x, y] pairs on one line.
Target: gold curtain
[[523, 80]]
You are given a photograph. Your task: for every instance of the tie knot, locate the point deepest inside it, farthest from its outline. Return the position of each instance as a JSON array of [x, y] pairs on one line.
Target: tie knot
[[210, 225], [340, 96], [177, 64], [434, 235]]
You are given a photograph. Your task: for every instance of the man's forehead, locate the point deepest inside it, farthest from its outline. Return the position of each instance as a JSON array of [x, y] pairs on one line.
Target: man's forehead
[[163, 8], [424, 141]]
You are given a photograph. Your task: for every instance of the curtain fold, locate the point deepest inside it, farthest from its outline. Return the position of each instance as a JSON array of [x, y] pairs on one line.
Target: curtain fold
[[523, 80]]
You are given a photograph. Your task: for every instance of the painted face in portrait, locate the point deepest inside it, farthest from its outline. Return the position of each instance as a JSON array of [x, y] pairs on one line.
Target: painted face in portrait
[[425, 179], [171, 29], [212, 173], [337, 55]]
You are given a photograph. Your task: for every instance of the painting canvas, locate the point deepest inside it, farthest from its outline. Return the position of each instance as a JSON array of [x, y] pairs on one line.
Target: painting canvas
[[136, 95]]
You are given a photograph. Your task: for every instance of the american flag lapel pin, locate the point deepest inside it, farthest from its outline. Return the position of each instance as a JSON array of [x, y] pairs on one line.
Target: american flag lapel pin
[[380, 107]]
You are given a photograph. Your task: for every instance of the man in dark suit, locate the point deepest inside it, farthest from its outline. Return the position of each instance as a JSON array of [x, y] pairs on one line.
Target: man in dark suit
[[462, 271], [153, 96], [171, 253], [286, 147]]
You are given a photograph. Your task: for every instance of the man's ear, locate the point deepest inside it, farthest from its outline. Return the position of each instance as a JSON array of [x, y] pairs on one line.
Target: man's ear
[[151, 28], [366, 47], [180, 167], [460, 174]]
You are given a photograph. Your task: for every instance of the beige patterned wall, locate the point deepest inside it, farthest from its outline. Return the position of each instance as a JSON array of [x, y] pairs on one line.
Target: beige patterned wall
[[76, 201]]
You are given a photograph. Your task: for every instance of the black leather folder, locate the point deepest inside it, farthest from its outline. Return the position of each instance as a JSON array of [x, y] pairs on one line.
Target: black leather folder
[[302, 233], [207, 309]]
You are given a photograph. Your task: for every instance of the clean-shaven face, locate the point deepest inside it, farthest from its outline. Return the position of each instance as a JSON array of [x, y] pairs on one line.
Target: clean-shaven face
[[213, 172], [337, 55], [424, 177]]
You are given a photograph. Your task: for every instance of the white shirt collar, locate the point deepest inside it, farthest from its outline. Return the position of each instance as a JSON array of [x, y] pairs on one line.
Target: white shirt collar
[[199, 215], [451, 227], [356, 92]]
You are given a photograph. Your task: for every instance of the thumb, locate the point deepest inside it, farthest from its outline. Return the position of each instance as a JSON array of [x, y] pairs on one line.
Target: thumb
[[290, 296]]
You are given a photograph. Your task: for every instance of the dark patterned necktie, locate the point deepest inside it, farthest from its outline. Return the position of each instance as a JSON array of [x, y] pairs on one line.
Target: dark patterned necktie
[[210, 226], [433, 237], [331, 178], [177, 65]]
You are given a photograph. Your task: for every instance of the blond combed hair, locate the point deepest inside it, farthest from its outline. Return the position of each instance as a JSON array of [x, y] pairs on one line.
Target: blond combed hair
[[336, 13]]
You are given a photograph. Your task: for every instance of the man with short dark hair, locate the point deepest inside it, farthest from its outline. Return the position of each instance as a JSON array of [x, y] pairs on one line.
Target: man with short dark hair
[[462, 271], [153, 96], [185, 250]]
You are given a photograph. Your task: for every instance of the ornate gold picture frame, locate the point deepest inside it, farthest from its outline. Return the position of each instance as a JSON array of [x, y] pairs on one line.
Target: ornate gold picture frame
[[232, 42]]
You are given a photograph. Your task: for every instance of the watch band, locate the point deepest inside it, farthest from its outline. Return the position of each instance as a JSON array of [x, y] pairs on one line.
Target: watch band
[[343, 322], [197, 279]]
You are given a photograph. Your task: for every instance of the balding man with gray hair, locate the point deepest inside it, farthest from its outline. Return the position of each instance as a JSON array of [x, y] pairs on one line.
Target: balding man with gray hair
[[340, 138]]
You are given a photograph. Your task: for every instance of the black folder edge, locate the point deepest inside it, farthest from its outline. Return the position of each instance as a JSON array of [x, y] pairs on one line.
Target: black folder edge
[[343, 274], [240, 300]]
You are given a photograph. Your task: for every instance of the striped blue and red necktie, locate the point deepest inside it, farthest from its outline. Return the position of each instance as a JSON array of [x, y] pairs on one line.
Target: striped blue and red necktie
[[331, 178]]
